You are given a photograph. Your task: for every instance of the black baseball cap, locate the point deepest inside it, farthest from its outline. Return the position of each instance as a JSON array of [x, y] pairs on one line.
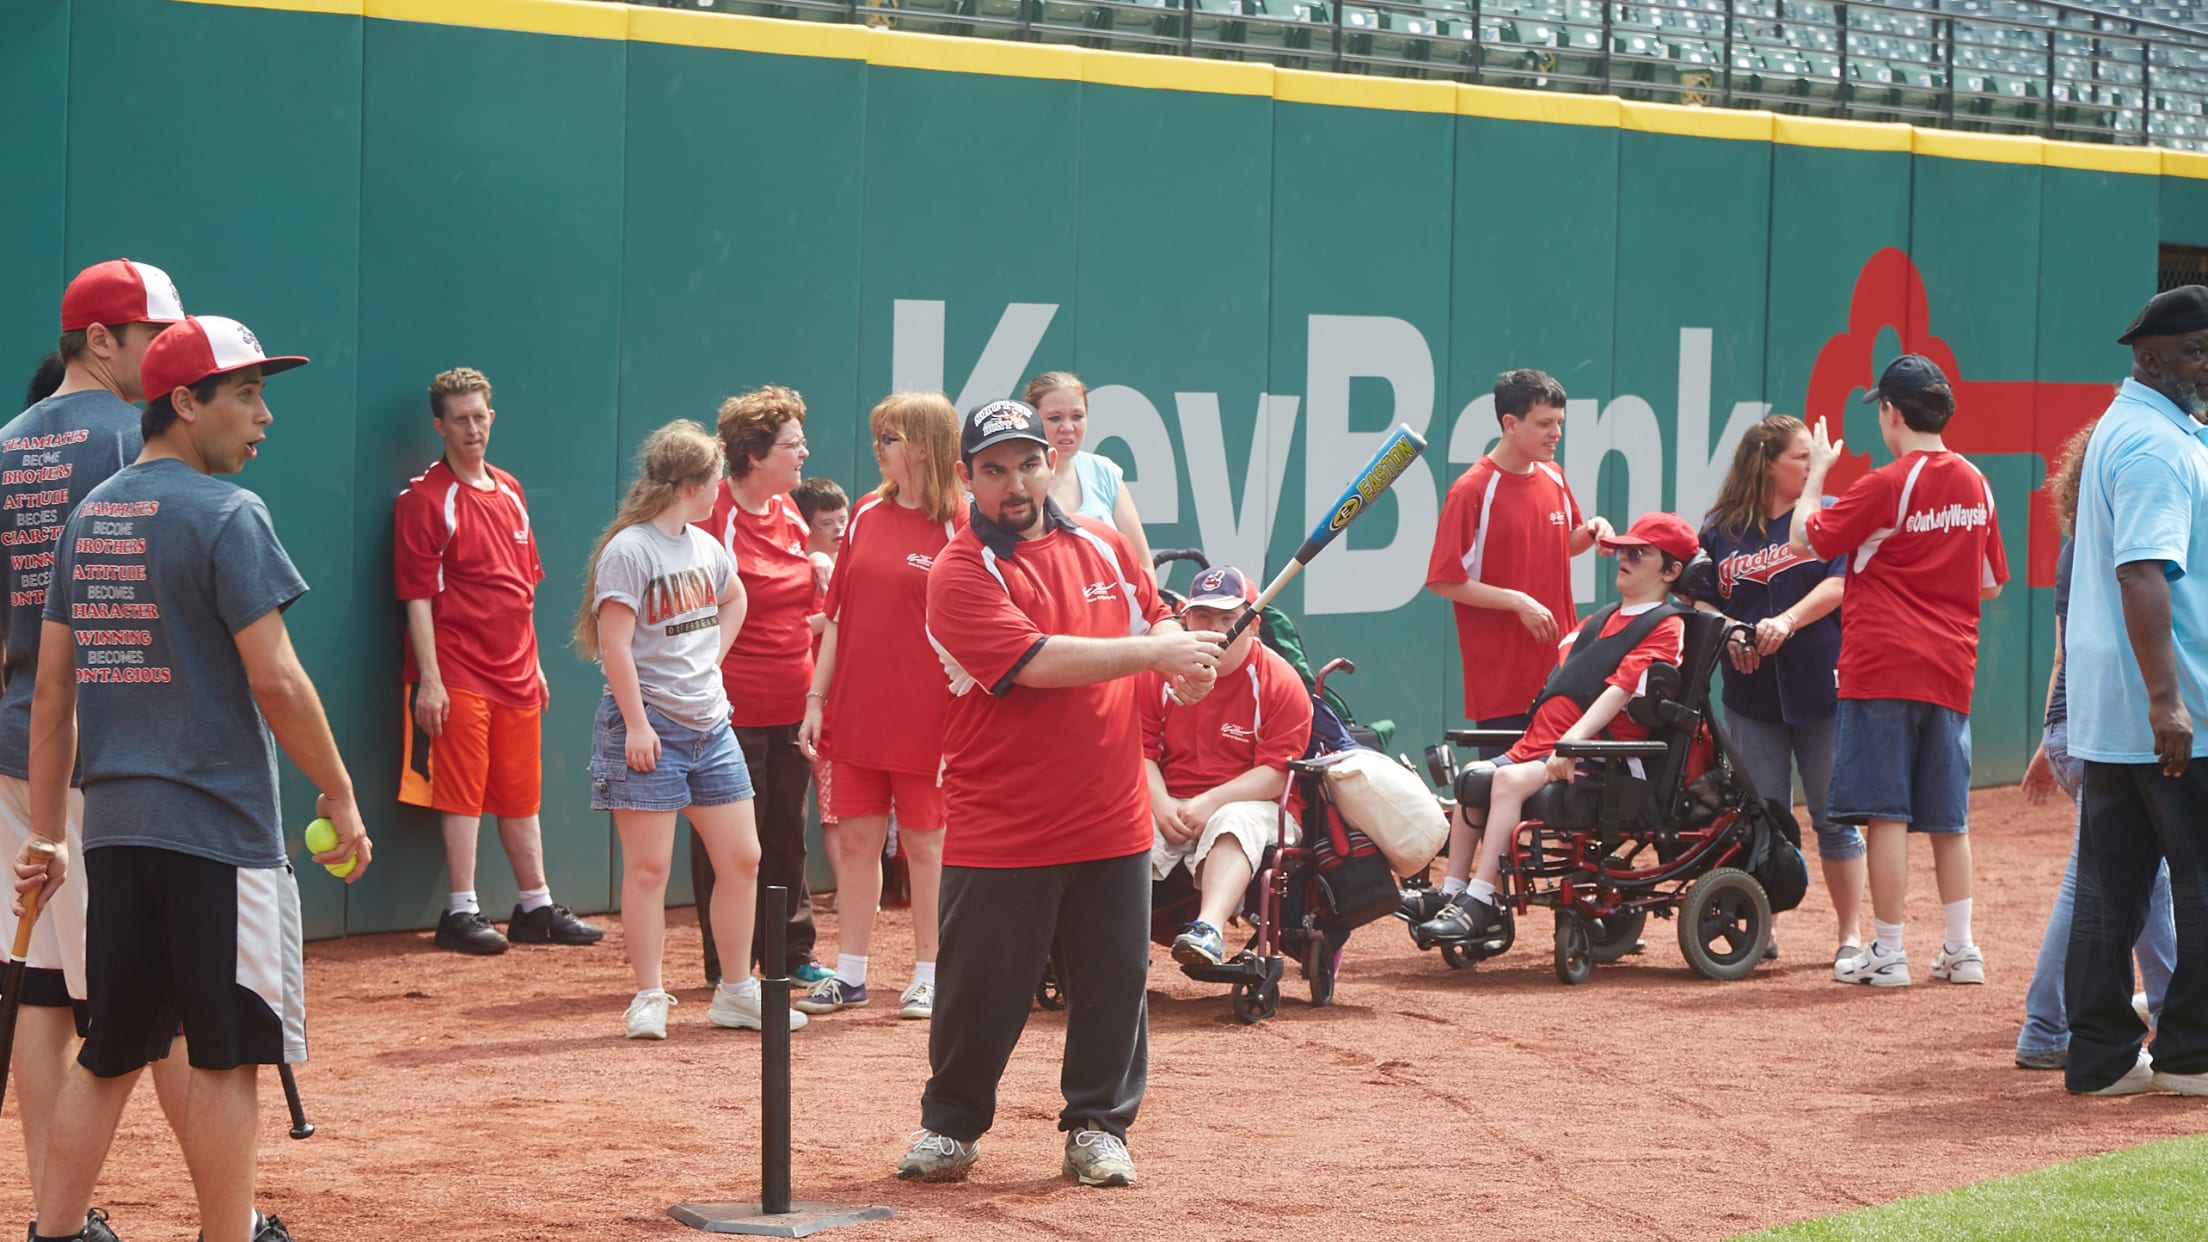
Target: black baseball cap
[[995, 422], [1906, 376], [2172, 312]]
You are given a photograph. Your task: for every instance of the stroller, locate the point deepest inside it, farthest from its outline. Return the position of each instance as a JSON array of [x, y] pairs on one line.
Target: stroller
[[1693, 839], [1305, 898]]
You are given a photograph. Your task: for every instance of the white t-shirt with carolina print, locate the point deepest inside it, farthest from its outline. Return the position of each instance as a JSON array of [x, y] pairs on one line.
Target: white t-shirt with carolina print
[[675, 584]]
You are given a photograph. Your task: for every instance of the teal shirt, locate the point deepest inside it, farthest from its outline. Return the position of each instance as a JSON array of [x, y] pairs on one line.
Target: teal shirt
[[2143, 496]]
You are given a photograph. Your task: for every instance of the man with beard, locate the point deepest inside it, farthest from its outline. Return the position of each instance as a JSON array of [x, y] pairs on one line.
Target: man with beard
[[2136, 645]]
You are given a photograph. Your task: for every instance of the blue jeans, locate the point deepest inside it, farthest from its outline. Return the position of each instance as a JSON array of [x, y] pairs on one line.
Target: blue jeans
[[1772, 752], [2046, 1020]]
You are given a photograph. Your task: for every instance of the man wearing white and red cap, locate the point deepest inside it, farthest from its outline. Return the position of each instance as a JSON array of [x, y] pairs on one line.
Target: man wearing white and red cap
[[50, 456], [1602, 666], [1217, 769], [165, 644]]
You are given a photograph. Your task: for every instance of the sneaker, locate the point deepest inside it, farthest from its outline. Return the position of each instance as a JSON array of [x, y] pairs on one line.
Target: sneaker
[[467, 931], [2138, 1080], [1843, 953], [647, 1015], [2183, 1084], [2058, 1059], [918, 1002], [1416, 905], [1200, 945], [831, 994], [95, 1228], [1875, 967], [550, 925], [1462, 917], [265, 1229], [937, 1158], [740, 1012], [1964, 965], [1098, 1158], [810, 972]]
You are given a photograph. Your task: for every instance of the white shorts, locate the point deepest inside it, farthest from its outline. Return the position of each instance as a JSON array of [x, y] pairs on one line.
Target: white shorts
[[57, 941], [1252, 825]]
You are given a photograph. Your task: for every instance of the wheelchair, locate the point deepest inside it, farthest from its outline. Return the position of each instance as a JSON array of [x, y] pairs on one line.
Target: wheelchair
[[1688, 838], [1302, 903]]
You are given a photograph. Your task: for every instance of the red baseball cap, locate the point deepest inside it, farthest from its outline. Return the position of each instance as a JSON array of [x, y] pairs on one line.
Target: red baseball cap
[[118, 292], [200, 346], [1666, 532]]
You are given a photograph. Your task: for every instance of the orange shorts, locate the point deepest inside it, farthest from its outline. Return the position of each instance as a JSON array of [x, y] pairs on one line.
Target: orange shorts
[[862, 790], [488, 760]]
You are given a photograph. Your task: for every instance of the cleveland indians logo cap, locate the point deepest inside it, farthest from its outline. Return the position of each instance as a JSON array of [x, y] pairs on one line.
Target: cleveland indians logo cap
[[1221, 586], [994, 423]]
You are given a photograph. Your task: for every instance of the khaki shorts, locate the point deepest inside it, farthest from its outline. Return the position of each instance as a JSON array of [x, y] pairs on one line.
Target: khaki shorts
[[57, 940], [1251, 825]]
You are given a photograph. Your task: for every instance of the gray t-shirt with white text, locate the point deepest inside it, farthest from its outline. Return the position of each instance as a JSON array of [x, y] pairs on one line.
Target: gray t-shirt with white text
[[159, 569], [675, 584]]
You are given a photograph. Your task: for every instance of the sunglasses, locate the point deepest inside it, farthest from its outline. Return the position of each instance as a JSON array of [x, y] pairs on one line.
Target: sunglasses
[[1636, 553]]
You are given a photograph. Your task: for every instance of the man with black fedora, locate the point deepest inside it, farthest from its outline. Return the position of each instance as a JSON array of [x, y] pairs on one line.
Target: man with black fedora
[[2136, 645]]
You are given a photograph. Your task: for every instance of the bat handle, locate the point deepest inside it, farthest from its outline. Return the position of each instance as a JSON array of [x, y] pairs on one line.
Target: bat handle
[[301, 1128], [44, 850], [1235, 631]]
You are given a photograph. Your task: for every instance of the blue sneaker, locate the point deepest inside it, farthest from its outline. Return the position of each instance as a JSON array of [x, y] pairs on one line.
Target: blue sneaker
[[829, 995], [810, 973], [1200, 945]]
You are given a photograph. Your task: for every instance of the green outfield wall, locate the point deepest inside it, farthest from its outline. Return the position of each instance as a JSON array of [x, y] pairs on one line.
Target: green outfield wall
[[624, 215]]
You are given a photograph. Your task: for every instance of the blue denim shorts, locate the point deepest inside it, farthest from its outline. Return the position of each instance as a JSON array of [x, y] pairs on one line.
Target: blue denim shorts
[[695, 768], [1902, 760]]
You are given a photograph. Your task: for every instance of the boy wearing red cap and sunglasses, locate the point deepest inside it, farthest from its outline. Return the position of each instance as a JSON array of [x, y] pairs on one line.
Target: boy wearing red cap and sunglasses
[[164, 642], [1601, 667]]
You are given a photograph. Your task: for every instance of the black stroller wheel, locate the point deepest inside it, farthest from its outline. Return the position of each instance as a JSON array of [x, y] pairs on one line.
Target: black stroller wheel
[[1575, 952], [1724, 924], [1318, 967], [1255, 1002]]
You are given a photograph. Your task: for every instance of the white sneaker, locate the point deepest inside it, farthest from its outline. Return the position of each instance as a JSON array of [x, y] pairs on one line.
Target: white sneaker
[[917, 1002], [647, 1015], [741, 1012], [2183, 1084], [1964, 965], [2138, 1080], [1875, 967]]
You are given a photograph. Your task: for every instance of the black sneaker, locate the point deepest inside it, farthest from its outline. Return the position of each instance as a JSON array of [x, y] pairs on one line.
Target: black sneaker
[[1416, 905], [467, 931], [95, 1229], [550, 925], [1462, 917], [265, 1229]]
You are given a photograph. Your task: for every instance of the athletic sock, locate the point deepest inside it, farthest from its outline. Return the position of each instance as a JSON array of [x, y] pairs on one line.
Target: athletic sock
[[463, 902], [1481, 890], [1451, 886], [747, 987], [536, 898], [851, 969], [923, 972], [1958, 925], [1888, 938]]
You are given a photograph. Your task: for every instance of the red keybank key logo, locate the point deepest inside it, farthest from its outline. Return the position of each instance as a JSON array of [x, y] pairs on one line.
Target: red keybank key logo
[[1991, 416]]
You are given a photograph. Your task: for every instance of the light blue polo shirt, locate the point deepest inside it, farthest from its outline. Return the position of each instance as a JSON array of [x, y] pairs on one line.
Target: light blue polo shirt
[[2143, 497]]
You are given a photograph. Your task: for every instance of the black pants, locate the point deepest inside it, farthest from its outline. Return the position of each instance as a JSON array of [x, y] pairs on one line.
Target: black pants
[[2131, 818], [780, 773], [998, 926]]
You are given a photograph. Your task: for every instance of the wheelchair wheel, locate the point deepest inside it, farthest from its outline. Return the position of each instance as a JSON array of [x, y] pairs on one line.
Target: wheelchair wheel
[[1463, 955], [1724, 924], [1575, 950], [1255, 1002], [1051, 993], [1616, 936]]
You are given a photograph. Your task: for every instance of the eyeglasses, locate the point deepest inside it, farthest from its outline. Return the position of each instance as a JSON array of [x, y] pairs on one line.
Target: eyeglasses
[[795, 446], [886, 439]]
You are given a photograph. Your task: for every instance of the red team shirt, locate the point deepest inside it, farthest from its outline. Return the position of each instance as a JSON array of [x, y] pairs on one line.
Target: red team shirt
[[770, 668], [887, 704], [1035, 777], [1922, 539], [471, 553], [1666, 642], [1512, 531], [1258, 716]]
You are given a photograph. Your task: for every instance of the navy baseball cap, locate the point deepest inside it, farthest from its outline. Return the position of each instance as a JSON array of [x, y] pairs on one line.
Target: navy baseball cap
[[1222, 587], [996, 422], [1906, 376]]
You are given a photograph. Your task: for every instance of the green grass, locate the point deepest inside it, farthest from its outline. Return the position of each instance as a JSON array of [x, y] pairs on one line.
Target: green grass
[[2159, 1191]]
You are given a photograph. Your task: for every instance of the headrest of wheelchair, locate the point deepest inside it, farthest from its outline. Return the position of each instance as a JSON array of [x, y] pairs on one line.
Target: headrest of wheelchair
[[1693, 578], [1663, 683]]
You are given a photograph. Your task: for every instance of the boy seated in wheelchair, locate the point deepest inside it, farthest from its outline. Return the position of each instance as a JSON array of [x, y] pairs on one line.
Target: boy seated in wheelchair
[[1601, 667], [1218, 769]]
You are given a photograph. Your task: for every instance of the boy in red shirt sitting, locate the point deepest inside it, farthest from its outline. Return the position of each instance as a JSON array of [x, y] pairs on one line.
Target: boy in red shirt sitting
[[1218, 768], [1602, 666]]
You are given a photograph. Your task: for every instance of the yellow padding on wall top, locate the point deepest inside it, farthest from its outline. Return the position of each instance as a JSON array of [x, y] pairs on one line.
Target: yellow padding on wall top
[[1504, 103], [1817, 131], [1361, 91], [1993, 148]]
